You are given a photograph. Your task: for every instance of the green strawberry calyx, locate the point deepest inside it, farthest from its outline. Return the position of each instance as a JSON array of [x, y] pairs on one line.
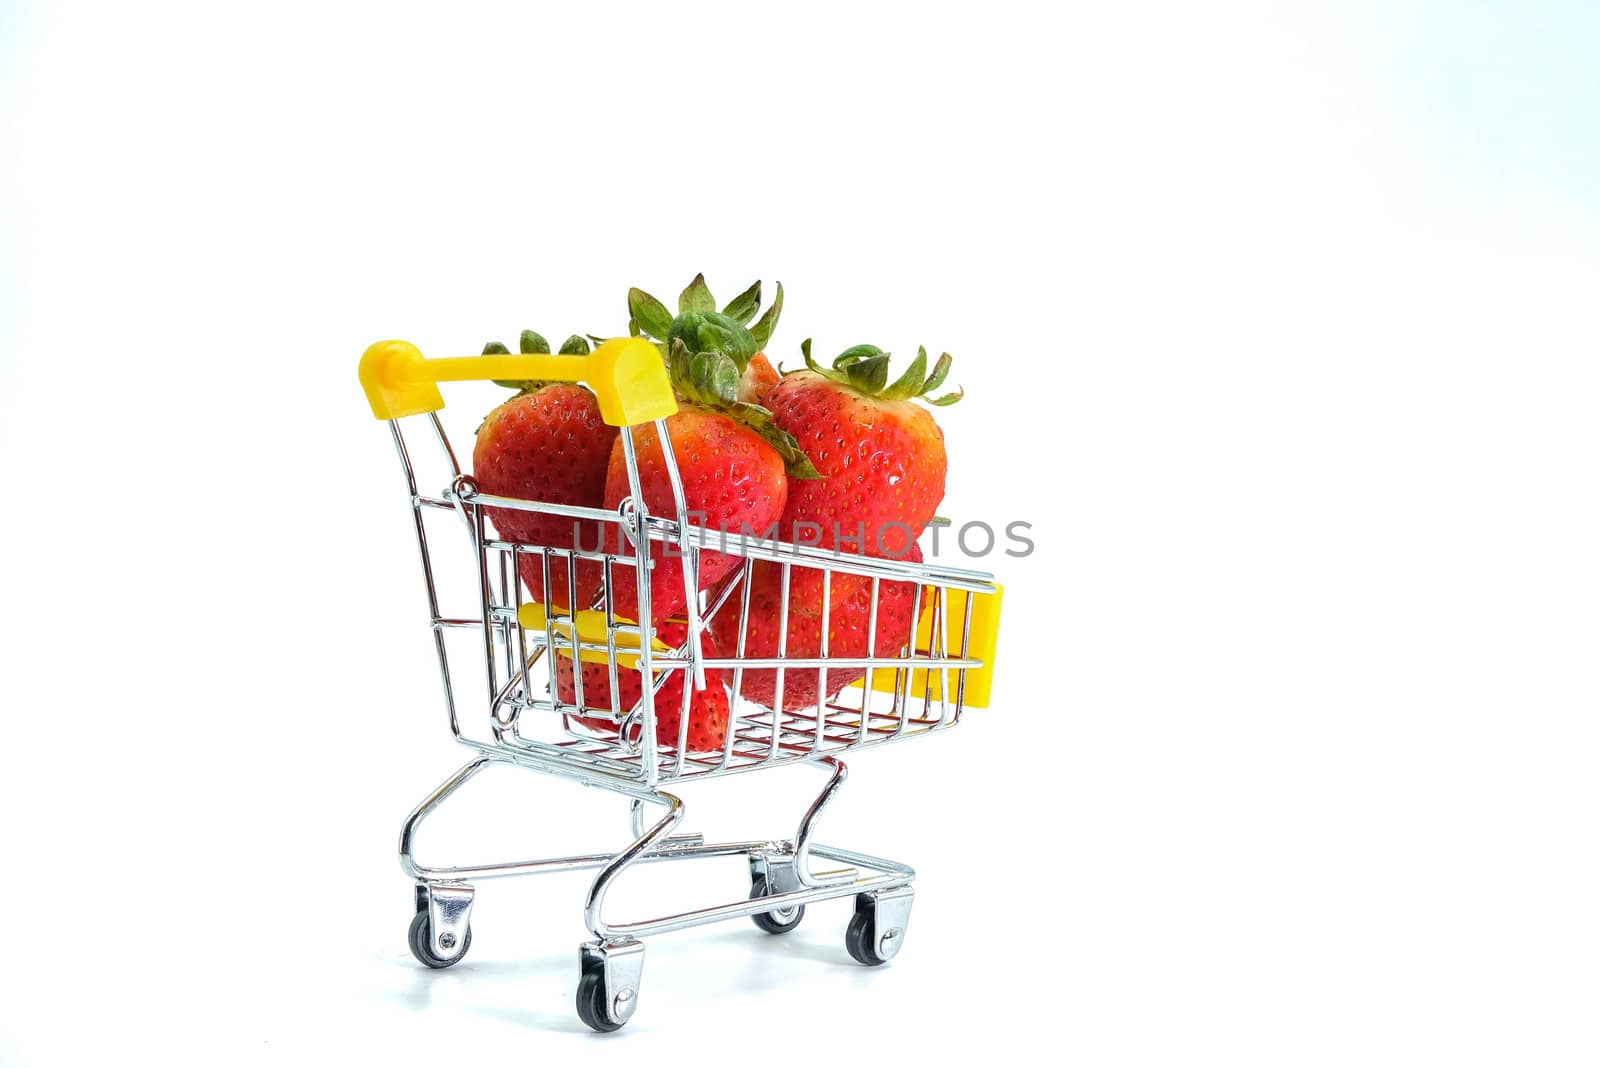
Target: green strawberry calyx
[[531, 343], [711, 380], [735, 331], [865, 369]]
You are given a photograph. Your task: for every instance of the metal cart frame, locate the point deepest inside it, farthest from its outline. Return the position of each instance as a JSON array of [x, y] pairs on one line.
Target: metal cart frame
[[530, 726]]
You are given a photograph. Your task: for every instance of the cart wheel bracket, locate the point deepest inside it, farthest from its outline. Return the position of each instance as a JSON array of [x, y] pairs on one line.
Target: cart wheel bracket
[[620, 966], [449, 907], [781, 875], [891, 914], [772, 874]]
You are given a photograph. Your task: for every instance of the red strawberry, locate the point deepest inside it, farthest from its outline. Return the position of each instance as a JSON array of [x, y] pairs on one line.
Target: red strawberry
[[708, 708], [881, 457], [547, 443], [849, 615], [733, 480], [730, 456]]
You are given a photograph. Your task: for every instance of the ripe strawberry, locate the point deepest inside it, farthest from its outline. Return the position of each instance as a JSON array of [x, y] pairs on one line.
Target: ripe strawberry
[[708, 708], [731, 458], [881, 457], [547, 443], [733, 480], [849, 616]]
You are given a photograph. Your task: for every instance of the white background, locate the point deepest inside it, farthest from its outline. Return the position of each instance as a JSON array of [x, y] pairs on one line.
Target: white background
[[1277, 321]]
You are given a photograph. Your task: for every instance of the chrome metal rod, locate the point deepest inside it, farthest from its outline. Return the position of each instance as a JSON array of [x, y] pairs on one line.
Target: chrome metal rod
[[889, 874], [667, 850], [428, 804], [641, 845], [802, 838]]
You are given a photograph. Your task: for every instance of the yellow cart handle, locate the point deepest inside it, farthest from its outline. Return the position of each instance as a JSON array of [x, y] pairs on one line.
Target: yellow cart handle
[[627, 375]]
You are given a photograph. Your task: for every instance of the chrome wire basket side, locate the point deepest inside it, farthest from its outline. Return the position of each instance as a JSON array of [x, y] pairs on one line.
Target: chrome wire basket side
[[528, 717]]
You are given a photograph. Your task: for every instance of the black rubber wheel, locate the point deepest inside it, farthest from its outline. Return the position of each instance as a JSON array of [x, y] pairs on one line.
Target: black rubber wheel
[[861, 939], [421, 939], [592, 998], [771, 922]]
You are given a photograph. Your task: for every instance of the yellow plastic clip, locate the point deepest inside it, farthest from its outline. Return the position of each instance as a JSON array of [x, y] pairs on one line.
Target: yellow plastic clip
[[627, 375], [591, 628], [981, 641]]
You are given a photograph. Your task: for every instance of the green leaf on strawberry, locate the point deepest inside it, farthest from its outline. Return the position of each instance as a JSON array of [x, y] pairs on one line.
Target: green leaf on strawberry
[[762, 330], [700, 326], [708, 378], [713, 332], [649, 313], [696, 297], [743, 308], [910, 383], [865, 368]]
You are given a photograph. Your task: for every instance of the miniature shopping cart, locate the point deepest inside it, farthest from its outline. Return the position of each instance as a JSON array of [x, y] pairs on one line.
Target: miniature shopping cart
[[514, 642]]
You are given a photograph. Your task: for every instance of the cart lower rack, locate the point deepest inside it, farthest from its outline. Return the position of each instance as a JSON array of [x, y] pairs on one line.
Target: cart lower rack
[[534, 721]]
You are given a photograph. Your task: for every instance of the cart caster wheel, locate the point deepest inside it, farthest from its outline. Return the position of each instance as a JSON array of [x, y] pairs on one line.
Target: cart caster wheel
[[863, 940], [593, 997], [778, 921], [421, 939]]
